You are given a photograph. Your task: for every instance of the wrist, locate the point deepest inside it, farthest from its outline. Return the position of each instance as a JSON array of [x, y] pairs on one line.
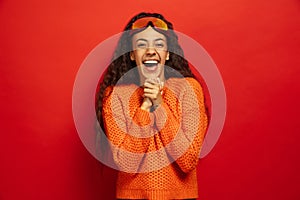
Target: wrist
[[146, 105], [155, 105], [157, 102]]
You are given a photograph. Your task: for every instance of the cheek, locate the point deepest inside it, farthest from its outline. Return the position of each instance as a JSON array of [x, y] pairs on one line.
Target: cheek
[[138, 61], [139, 57], [164, 56]]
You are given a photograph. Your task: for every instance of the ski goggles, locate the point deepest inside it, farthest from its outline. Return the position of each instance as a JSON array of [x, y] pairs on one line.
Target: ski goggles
[[145, 21]]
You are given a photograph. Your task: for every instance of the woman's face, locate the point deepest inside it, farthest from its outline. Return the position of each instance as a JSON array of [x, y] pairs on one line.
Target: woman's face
[[150, 52]]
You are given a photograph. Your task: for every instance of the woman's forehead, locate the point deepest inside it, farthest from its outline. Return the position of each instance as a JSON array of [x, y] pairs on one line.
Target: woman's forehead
[[149, 34]]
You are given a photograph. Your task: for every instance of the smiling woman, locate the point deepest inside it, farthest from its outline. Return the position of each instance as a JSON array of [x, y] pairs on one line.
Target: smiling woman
[[153, 113]]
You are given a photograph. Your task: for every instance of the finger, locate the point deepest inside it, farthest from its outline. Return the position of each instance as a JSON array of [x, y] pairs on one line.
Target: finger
[[151, 85], [157, 82], [151, 80], [155, 94], [150, 96], [151, 91]]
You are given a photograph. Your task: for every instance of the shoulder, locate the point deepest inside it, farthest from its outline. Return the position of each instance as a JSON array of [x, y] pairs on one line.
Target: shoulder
[[119, 89], [119, 93]]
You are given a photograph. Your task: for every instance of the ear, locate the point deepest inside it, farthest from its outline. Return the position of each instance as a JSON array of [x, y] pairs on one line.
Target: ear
[[132, 56], [168, 56]]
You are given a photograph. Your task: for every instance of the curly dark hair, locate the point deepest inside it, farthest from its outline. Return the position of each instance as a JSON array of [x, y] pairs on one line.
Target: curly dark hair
[[121, 62]]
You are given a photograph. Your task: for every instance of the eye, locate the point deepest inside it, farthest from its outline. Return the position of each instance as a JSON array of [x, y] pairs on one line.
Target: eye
[[159, 45], [141, 45]]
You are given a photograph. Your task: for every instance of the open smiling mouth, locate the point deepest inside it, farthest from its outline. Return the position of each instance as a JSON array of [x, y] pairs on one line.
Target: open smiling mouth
[[150, 65]]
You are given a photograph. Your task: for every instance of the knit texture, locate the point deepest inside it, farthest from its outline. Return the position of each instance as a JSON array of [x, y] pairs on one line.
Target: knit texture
[[156, 152]]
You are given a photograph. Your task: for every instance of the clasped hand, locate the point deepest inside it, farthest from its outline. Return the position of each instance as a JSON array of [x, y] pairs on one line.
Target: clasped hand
[[152, 94]]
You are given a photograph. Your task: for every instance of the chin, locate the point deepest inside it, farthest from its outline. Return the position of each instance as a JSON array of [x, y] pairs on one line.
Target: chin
[[146, 74]]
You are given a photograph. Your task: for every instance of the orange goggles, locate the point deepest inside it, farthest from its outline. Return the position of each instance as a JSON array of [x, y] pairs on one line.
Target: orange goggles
[[145, 21]]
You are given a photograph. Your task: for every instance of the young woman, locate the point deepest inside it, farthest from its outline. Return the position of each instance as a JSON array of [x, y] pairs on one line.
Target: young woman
[[153, 113]]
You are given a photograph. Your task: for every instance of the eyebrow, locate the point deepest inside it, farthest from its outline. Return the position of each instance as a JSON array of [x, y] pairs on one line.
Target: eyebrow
[[142, 39]]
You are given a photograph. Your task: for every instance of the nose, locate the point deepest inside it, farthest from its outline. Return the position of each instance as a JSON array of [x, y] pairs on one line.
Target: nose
[[151, 51]]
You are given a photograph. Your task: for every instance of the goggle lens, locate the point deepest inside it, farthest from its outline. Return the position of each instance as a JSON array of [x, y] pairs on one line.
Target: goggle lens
[[144, 22]]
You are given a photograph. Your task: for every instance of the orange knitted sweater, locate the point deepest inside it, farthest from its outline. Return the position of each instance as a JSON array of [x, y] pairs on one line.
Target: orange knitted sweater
[[156, 152]]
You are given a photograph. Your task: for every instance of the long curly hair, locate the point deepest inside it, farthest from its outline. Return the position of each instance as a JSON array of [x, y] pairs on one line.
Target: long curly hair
[[121, 62]]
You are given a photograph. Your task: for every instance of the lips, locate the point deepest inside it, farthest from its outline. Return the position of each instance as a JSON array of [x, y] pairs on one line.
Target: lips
[[150, 65]]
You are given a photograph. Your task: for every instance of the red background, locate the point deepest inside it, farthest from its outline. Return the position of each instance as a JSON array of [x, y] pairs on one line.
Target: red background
[[254, 43]]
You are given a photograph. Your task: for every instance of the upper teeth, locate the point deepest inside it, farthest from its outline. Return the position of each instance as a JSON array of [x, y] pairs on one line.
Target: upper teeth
[[151, 62]]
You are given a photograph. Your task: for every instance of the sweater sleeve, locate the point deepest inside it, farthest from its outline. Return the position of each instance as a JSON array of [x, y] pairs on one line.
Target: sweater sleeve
[[183, 136], [126, 131]]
